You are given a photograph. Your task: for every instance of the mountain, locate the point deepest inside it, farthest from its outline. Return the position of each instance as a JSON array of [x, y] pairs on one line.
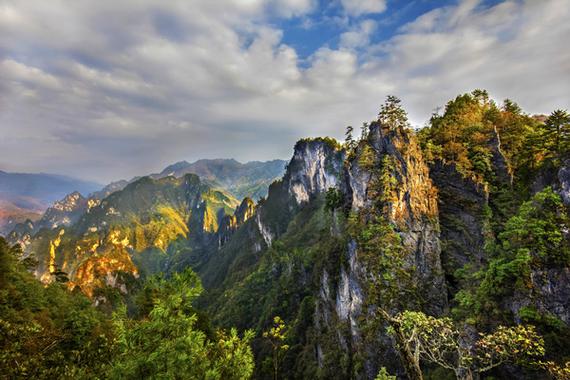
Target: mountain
[[131, 231], [454, 238], [242, 180], [25, 196]]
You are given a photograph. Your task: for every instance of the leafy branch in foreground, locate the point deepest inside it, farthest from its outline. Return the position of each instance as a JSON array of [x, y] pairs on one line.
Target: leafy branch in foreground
[[439, 341]]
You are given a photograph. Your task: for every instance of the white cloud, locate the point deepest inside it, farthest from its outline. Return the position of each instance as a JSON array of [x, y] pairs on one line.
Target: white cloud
[[108, 89], [359, 36], [360, 7]]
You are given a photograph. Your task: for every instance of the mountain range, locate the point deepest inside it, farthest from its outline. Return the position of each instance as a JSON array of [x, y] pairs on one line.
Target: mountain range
[[461, 226], [28, 196]]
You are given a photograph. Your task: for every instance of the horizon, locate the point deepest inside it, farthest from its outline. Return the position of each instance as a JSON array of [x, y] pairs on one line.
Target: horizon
[[103, 91], [103, 184]]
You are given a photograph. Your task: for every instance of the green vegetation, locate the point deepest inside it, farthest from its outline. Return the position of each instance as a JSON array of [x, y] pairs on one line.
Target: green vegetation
[[439, 341], [51, 332], [534, 238], [169, 344], [48, 332], [472, 129], [351, 296], [276, 336]]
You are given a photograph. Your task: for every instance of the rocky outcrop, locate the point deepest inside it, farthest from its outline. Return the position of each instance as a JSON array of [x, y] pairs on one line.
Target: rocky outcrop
[[349, 295], [64, 212], [564, 180], [501, 166], [315, 167], [401, 178], [230, 223], [462, 217], [548, 294], [387, 168]]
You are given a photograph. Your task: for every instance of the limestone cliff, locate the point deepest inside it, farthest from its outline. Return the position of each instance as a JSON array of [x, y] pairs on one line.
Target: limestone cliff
[[316, 166], [386, 168]]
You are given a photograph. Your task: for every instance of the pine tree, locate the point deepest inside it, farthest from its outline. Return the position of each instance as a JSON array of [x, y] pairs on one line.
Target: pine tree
[[392, 114], [557, 132]]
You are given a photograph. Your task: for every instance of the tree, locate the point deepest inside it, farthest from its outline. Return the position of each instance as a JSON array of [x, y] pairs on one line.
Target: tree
[[48, 332], [276, 336], [392, 115], [333, 199], [384, 375], [349, 139], [364, 131], [439, 341], [557, 132], [169, 344]]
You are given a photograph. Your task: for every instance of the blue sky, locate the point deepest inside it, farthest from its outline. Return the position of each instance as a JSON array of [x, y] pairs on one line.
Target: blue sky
[[106, 89]]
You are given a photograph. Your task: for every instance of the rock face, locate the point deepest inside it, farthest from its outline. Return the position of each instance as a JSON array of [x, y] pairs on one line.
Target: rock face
[[410, 201], [315, 167], [127, 232], [230, 223], [462, 218], [564, 179], [411, 206], [548, 293], [64, 212]]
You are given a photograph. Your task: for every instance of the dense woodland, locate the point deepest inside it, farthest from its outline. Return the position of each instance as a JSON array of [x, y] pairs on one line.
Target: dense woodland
[[255, 315]]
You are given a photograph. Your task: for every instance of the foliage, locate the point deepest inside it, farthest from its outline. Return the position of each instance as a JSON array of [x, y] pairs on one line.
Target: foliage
[[168, 343], [384, 375], [392, 114], [276, 336], [556, 371], [473, 128], [333, 199], [533, 238], [557, 133], [349, 142], [439, 341], [48, 332]]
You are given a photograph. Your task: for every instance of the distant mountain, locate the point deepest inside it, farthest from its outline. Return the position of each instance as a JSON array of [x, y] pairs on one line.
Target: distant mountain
[[251, 179], [133, 230], [26, 196]]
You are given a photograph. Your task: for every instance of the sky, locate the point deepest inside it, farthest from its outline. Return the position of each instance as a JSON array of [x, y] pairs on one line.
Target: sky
[[105, 90]]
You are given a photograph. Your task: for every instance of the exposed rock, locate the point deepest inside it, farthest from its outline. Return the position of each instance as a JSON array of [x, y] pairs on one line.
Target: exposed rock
[[64, 212], [564, 179], [230, 223], [265, 232], [501, 166], [462, 218], [315, 167], [411, 204], [349, 294], [549, 293]]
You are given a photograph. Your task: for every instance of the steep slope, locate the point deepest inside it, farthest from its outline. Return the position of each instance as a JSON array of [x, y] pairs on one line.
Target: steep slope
[[131, 231], [303, 257]]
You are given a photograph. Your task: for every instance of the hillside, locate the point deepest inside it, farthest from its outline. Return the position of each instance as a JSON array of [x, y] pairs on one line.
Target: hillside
[[439, 253], [242, 180]]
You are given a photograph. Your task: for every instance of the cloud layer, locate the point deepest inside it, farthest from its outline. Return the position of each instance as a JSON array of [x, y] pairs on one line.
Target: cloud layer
[[107, 89]]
